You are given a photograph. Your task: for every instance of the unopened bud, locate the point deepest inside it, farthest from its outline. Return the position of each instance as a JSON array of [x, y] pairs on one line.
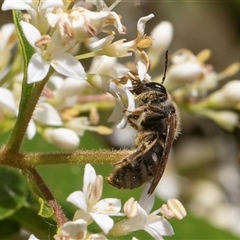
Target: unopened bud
[[63, 138]]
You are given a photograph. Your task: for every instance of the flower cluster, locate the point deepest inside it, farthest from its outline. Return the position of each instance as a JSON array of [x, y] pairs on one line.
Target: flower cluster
[[194, 85], [136, 214]]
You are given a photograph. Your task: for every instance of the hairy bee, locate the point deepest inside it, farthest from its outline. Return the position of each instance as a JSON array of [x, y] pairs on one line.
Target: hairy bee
[[156, 121]]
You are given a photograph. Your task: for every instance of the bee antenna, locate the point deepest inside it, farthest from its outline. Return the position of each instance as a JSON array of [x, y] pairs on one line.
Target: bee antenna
[[166, 66]]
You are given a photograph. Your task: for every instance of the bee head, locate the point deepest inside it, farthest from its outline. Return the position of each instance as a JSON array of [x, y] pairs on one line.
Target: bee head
[[153, 86]]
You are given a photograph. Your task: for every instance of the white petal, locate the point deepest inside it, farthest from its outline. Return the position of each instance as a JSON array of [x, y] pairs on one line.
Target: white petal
[[37, 68], [108, 206], [156, 235], [31, 33], [77, 198], [146, 201], [161, 227], [47, 114], [141, 66], [72, 87], [141, 24], [89, 177], [74, 229], [63, 138], [6, 31], [52, 18], [116, 115], [81, 214], [32, 237], [50, 4], [7, 99], [56, 80], [68, 66], [18, 5], [97, 237], [31, 129], [99, 44], [103, 221], [181, 74], [123, 123]]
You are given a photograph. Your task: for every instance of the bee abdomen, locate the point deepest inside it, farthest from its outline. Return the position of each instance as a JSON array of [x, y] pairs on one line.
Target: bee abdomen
[[134, 174]]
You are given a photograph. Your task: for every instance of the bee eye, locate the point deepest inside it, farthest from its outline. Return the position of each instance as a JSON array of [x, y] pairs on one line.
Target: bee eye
[[156, 87]]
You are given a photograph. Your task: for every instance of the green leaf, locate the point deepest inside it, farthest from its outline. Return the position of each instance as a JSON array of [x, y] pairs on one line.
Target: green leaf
[[28, 219], [8, 228], [13, 192], [46, 210], [27, 52], [27, 49]]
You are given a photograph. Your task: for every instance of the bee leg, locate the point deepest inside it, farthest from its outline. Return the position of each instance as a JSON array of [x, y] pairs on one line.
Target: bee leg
[[136, 112]]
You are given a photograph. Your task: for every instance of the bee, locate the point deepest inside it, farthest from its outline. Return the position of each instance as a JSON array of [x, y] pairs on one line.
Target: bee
[[156, 121]]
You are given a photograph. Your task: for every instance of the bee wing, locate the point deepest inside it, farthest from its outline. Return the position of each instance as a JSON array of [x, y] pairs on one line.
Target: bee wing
[[167, 147]]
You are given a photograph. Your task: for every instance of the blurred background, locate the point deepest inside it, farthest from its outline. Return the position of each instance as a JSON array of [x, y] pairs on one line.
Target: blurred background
[[203, 169]]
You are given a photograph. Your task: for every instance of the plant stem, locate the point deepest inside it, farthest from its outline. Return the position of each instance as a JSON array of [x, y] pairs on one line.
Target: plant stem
[[77, 157], [38, 182], [27, 107]]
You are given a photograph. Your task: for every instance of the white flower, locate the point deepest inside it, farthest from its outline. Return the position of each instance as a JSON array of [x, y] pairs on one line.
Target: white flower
[[120, 92], [79, 23], [141, 42], [185, 70], [140, 218], [90, 208], [73, 230], [37, 10], [63, 138], [50, 51]]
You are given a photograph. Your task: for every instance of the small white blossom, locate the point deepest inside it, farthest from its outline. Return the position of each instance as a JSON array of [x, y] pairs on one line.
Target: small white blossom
[[73, 230], [37, 10], [87, 200], [141, 42], [140, 218], [79, 23], [120, 92], [49, 52], [185, 70]]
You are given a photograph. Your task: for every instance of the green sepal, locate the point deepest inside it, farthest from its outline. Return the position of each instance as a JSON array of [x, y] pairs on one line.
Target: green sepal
[[45, 210]]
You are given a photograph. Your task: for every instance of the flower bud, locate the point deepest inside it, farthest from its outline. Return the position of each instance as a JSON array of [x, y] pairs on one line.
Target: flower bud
[[63, 138], [161, 38], [226, 119], [227, 96]]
